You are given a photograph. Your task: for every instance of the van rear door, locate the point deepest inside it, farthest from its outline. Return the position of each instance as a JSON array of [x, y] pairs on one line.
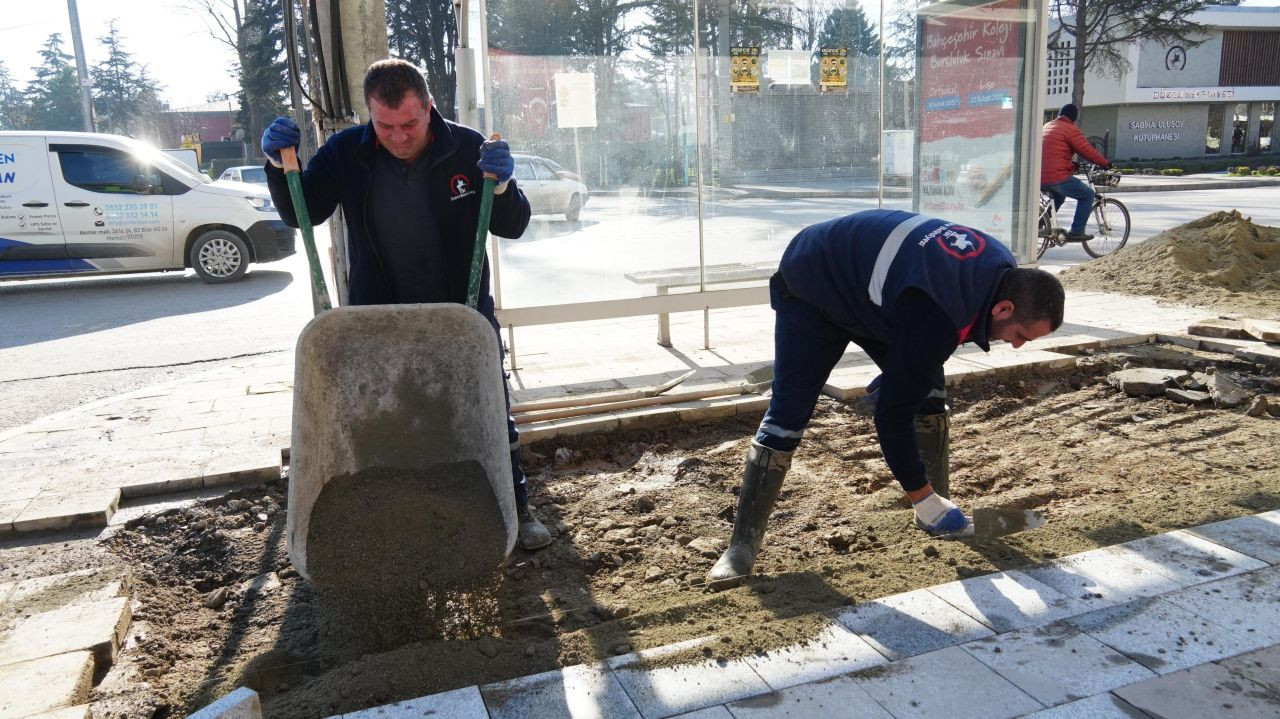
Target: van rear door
[[31, 240], [116, 209]]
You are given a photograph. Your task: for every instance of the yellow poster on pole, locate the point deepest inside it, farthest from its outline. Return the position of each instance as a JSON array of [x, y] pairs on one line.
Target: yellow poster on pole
[[833, 73], [744, 69]]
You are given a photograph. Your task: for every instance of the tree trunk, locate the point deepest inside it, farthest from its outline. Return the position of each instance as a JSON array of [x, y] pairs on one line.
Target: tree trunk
[[1078, 58]]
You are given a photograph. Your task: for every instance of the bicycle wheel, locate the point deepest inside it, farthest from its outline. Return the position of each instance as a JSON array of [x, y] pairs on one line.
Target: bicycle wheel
[[1046, 237], [1109, 225]]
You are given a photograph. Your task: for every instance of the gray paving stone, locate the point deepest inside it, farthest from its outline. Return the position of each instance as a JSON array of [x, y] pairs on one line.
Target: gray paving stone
[[1261, 666], [1248, 604], [77, 712], [1252, 535], [716, 712], [832, 651], [1102, 706], [938, 684], [240, 704], [1008, 600], [1208, 690], [463, 703], [1159, 635], [63, 680], [1187, 558], [50, 511], [664, 691], [97, 625], [1100, 578], [904, 625], [835, 697], [586, 691], [1056, 663]]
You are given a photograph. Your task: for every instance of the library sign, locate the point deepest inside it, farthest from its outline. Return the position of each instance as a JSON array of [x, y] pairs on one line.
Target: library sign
[[1156, 130]]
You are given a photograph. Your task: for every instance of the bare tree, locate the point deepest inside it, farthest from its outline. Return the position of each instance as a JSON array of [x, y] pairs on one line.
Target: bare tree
[[1101, 29], [253, 30]]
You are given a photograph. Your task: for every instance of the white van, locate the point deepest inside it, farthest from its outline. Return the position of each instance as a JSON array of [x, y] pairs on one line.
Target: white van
[[87, 203]]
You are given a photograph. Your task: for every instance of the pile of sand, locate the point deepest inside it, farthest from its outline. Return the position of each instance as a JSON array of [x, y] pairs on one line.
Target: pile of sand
[[1221, 260]]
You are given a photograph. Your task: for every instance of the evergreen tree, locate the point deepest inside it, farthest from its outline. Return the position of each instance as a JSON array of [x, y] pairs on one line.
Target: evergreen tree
[[13, 105], [124, 97], [425, 32], [264, 77], [55, 93]]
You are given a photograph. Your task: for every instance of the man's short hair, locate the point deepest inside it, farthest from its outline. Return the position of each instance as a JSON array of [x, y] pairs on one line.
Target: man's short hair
[[388, 80], [1036, 295]]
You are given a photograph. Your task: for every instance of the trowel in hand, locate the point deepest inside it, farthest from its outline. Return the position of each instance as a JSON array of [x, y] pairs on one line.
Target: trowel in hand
[[987, 522]]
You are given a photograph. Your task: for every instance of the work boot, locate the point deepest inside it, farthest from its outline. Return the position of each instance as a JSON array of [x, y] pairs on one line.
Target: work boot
[[933, 437], [533, 534], [761, 483]]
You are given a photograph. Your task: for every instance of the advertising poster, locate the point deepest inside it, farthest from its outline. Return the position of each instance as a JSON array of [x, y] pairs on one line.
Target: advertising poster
[[833, 73], [744, 69], [575, 99], [970, 77]]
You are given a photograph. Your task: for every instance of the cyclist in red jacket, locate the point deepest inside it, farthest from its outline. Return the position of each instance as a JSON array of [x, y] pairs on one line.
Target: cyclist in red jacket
[[1061, 139]]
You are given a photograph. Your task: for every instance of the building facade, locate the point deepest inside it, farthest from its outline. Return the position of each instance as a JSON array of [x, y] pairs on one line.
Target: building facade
[[1213, 100]]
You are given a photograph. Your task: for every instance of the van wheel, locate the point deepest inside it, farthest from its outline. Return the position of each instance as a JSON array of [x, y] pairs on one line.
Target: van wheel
[[575, 208], [219, 256]]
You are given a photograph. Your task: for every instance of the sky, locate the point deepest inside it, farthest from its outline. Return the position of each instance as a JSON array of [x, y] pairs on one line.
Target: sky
[[166, 36]]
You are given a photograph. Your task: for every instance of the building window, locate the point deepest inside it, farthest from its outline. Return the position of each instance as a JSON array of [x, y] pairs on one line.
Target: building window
[[1213, 131], [1239, 127], [1266, 126]]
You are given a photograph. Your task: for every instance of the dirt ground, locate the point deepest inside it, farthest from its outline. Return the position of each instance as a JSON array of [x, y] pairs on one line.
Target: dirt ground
[[640, 517]]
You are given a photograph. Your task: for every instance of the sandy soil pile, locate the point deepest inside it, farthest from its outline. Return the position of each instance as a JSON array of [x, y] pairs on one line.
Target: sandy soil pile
[[640, 518], [1222, 260]]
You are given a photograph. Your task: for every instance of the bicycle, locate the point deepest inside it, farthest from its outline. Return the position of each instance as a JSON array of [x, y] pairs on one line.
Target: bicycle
[[1108, 218]]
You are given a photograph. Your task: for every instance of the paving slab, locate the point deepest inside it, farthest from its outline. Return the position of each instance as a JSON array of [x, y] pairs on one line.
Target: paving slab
[[1006, 601], [49, 511], [1102, 706], [1261, 666], [904, 625], [835, 697], [664, 691], [43, 593], [1265, 330], [1161, 636], [1187, 558], [1249, 604], [463, 703], [1208, 690], [242, 703], [1056, 663], [82, 711], [1253, 535], [97, 626], [715, 712], [1100, 578], [9, 511], [63, 680], [937, 684], [833, 650], [585, 691]]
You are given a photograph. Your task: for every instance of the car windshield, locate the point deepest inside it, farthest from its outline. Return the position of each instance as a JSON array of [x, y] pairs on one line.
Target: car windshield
[[253, 174], [164, 162]]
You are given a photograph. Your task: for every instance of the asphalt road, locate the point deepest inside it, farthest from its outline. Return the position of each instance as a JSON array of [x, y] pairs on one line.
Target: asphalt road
[[65, 342]]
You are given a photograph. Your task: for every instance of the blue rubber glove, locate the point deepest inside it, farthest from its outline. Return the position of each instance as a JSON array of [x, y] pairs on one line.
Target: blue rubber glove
[[495, 157], [281, 133], [940, 516]]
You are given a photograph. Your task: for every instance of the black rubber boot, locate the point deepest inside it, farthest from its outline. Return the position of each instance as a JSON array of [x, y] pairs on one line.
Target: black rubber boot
[[933, 436], [533, 534], [761, 483]]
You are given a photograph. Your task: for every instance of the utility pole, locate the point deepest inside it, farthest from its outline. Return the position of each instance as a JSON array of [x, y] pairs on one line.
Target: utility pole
[[82, 70]]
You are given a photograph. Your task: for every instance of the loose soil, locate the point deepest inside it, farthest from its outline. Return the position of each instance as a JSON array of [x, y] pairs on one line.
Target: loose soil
[[1222, 260], [639, 518]]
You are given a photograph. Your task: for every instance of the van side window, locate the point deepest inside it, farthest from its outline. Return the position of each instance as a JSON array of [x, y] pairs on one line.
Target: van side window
[[107, 172]]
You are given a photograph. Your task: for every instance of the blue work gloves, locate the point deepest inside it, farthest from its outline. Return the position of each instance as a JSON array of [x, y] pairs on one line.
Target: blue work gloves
[[281, 133], [495, 157], [940, 517]]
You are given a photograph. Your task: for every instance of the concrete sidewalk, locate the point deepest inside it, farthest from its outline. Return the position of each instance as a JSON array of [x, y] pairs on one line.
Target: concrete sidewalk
[[230, 425], [1183, 624]]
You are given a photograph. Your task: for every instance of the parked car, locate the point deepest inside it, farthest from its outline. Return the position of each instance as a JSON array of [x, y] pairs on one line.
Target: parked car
[[252, 174], [88, 203], [549, 192]]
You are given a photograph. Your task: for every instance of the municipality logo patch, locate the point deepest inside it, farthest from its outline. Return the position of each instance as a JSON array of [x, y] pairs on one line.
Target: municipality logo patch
[[460, 186], [961, 242]]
